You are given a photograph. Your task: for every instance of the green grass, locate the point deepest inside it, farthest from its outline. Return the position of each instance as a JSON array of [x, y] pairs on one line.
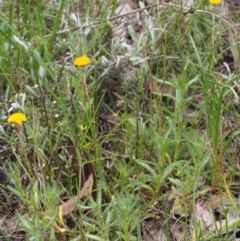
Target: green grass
[[173, 126]]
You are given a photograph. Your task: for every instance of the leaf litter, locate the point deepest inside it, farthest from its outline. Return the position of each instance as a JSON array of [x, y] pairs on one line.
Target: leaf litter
[[153, 228]]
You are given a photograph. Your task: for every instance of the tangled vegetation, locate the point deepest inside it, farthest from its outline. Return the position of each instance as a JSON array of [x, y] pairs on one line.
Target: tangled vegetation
[[119, 121]]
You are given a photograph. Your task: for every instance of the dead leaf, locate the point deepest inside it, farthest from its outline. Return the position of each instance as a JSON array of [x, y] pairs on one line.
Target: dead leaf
[[85, 169], [69, 206], [214, 202], [110, 118], [204, 216], [154, 235], [178, 230], [125, 8], [9, 224], [153, 230]]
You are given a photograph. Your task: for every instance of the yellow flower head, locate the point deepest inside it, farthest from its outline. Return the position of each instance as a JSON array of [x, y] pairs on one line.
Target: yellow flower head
[[215, 2], [82, 61], [17, 118]]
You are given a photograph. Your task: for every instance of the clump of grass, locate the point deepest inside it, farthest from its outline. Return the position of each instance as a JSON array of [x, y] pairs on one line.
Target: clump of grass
[[167, 123]]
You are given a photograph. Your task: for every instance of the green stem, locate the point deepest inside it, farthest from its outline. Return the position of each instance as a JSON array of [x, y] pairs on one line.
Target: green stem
[[56, 26]]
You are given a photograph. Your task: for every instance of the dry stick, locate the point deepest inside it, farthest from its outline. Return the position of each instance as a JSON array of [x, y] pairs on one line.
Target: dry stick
[[97, 22]]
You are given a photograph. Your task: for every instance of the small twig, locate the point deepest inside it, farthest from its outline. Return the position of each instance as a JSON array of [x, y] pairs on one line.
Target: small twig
[[98, 22]]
